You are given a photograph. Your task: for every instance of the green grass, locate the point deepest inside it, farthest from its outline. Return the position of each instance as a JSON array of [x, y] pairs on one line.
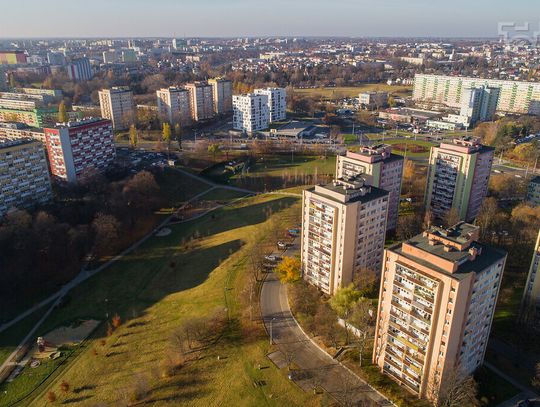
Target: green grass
[[350, 138], [353, 91], [411, 142], [153, 289], [492, 389]]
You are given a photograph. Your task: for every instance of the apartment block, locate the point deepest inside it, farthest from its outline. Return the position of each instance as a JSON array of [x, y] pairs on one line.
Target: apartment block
[[117, 105], [29, 112], [373, 99], [222, 94], [250, 113], [533, 192], [201, 97], [436, 305], [24, 176], [479, 104], [514, 97], [13, 131], [458, 177], [530, 304], [380, 168], [174, 105], [80, 70], [277, 102], [80, 149], [343, 232]]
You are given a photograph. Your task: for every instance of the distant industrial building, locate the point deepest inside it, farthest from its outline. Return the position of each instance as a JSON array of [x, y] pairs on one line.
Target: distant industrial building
[[24, 176], [80, 149], [343, 232], [458, 177], [380, 168], [118, 106]]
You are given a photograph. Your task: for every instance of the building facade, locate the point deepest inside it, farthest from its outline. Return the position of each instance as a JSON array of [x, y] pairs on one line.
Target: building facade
[[24, 176], [12, 131], [201, 99], [222, 94], [250, 113], [80, 149], [380, 168], [117, 105], [530, 304], [436, 305], [479, 104], [174, 105], [343, 232], [12, 58], [373, 99], [533, 192], [277, 103], [80, 70], [514, 97], [458, 177], [26, 111]]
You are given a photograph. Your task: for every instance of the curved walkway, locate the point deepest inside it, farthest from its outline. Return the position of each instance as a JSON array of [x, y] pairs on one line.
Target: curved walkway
[[317, 368]]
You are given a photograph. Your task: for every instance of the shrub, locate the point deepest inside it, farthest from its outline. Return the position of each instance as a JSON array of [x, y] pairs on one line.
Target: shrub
[[64, 386]]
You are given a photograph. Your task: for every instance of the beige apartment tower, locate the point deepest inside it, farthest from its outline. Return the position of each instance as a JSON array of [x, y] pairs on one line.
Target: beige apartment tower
[[343, 232], [174, 105], [380, 168], [201, 98], [117, 105], [436, 304], [222, 95], [458, 177]]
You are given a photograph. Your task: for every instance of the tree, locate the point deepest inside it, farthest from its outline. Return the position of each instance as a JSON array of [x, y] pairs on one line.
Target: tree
[[51, 396], [343, 303], [486, 216], [325, 321], [178, 135], [452, 217], [166, 135], [456, 390], [116, 321], [361, 319], [133, 136], [62, 115], [214, 149], [106, 229], [64, 386], [288, 270], [428, 219]]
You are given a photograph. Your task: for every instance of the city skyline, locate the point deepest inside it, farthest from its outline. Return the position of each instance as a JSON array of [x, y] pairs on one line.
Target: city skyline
[[235, 18]]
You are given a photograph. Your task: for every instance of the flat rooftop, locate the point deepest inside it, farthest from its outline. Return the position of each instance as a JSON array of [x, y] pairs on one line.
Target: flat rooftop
[[349, 191]]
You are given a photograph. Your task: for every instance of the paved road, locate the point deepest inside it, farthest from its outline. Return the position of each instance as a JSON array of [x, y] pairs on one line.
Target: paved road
[[317, 367]]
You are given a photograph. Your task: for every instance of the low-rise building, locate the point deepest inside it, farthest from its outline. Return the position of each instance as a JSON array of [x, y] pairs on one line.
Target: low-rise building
[[24, 176], [373, 99]]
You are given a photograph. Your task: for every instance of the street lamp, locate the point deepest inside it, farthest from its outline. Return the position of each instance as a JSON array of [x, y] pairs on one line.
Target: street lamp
[[271, 325]]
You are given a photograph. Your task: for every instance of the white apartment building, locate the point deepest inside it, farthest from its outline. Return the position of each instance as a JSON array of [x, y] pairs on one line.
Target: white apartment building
[[250, 113], [24, 176], [436, 304], [201, 97], [514, 97], [222, 93], [479, 104], [117, 105], [277, 102], [174, 105], [343, 232], [380, 168]]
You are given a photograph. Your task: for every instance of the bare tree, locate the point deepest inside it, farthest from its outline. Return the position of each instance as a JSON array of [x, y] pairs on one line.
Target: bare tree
[[455, 390]]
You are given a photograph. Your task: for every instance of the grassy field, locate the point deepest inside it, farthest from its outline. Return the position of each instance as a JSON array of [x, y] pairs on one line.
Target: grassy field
[[425, 146], [353, 91], [153, 290]]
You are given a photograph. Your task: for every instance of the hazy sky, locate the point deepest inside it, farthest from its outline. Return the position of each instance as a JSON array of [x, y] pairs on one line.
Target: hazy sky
[[128, 18]]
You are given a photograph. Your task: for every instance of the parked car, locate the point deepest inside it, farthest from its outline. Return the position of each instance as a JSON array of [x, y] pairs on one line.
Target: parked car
[[272, 257], [281, 245]]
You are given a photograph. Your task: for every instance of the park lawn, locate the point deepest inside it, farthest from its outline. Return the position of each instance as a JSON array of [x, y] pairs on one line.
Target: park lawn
[[411, 142], [492, 389], [153, 290], [278, 165], [350, 138], [353, 91]]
